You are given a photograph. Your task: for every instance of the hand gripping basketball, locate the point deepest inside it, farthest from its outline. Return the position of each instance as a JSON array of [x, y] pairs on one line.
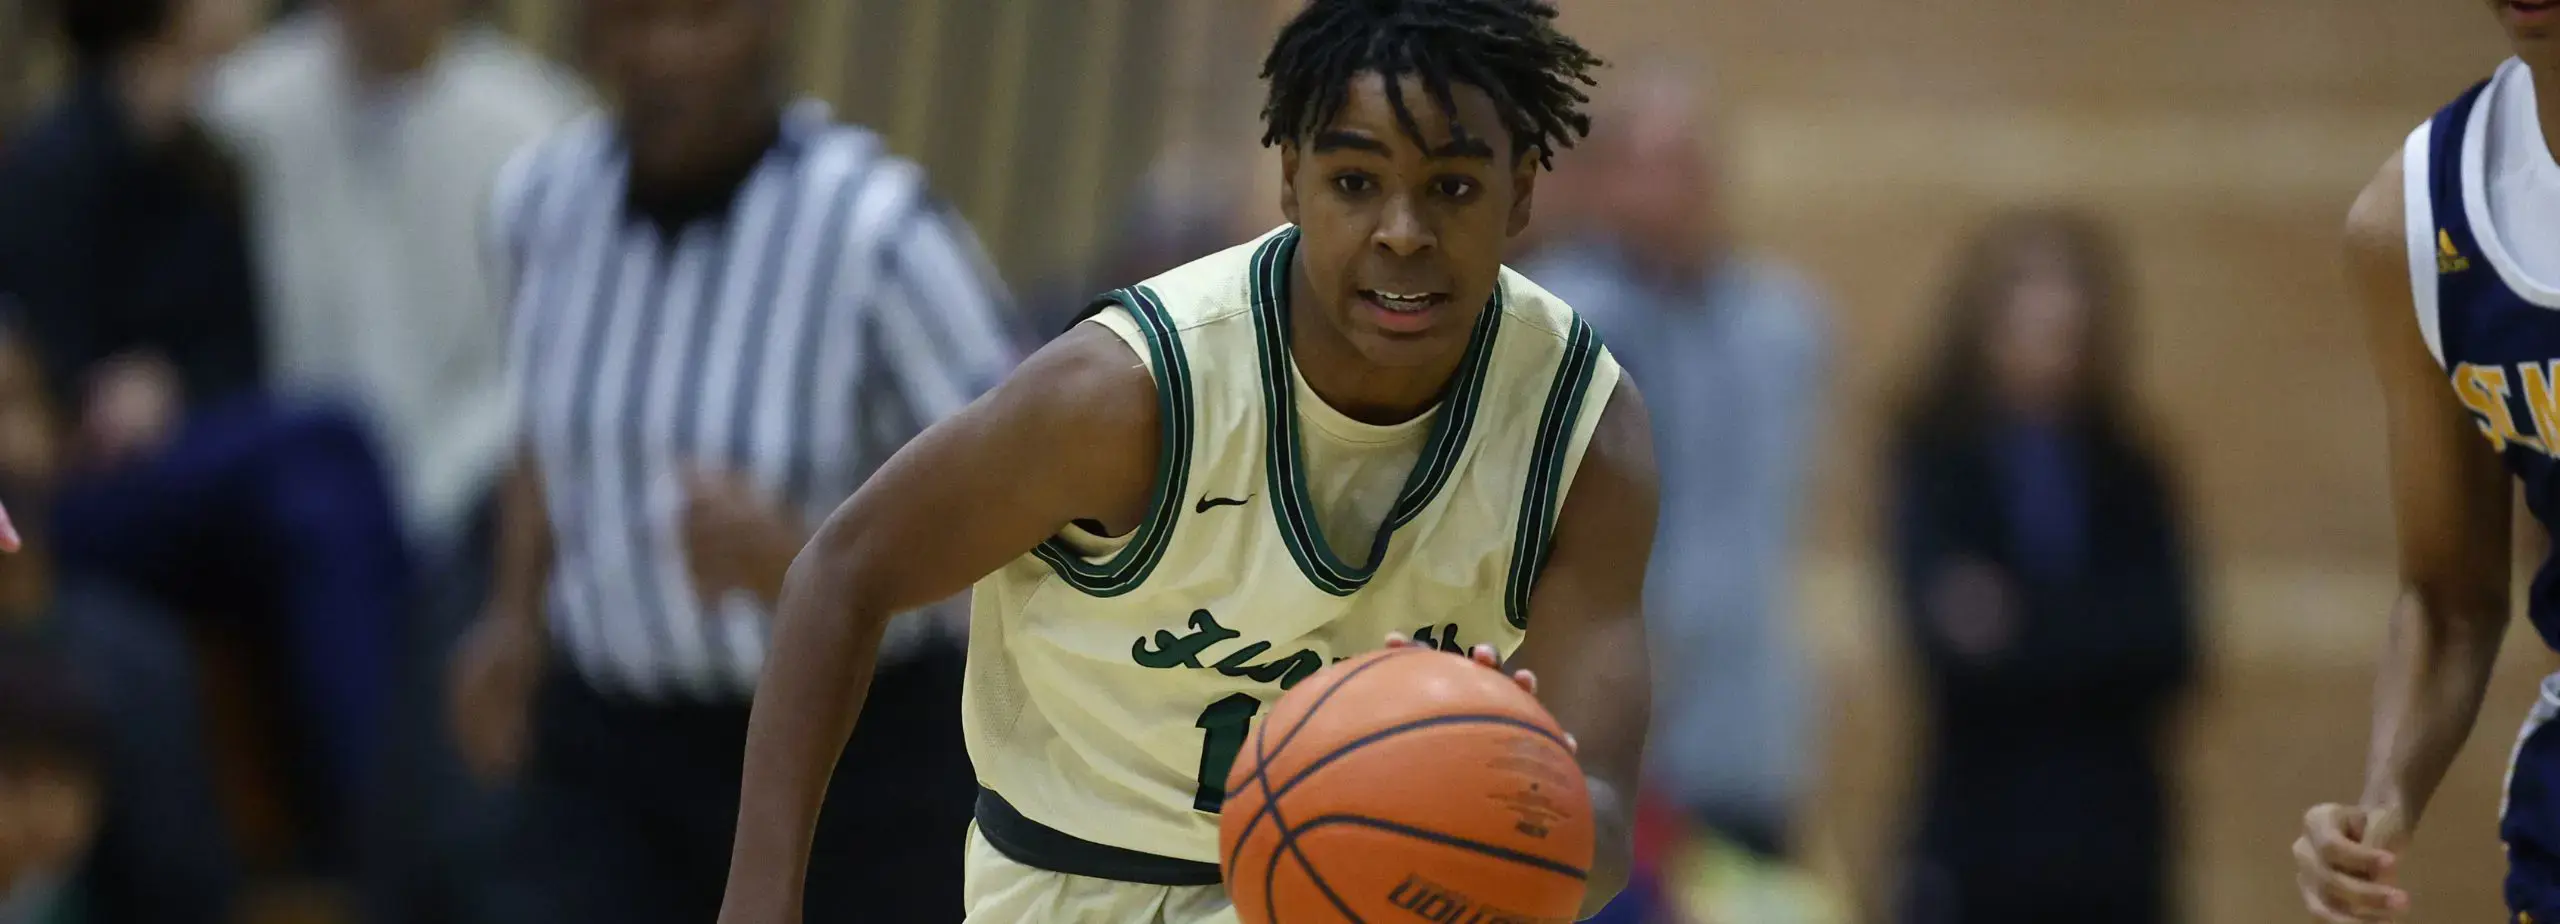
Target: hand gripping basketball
[[1407, 782], [1485, 655]]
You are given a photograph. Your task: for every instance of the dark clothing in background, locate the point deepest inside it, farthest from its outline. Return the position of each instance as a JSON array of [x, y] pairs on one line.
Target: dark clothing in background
[[272, 519], [275, 522], [108, 247], [2045, 797], [162, 855], [629, 806]]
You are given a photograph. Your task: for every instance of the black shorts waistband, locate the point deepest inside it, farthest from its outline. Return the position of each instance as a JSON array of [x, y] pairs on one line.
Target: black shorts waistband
[[1036, 845]]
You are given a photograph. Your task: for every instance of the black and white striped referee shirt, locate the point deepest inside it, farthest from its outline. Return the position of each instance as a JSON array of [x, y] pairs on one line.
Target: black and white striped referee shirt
[[798, 338]]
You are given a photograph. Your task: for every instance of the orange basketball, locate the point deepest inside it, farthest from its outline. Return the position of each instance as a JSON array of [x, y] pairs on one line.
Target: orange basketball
[[1403, 785]]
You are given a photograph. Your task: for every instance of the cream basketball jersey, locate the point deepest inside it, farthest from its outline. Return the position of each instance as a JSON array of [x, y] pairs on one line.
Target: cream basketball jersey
[[1112, 682]]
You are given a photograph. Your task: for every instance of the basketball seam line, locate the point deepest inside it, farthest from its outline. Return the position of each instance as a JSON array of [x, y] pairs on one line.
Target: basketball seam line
[[1270, 806], [1289, 836], [1450, 840], [1270, 797], [1261, 733]]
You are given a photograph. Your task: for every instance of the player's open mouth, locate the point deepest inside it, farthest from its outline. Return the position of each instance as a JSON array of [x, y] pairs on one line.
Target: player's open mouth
[[1412, 311], [2533, 12]]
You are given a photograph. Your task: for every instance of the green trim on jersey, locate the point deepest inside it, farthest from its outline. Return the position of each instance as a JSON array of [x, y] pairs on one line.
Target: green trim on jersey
[[1284, 462], [1546, 469], [1129, 567]]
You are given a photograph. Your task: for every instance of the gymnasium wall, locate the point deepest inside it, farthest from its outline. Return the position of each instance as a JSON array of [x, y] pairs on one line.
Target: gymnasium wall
[[2223, 140]]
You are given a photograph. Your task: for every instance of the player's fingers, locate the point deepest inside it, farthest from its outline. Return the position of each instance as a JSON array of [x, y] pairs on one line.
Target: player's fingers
[[2341, 892], [1572, 744], [2361, 900], [2320, 911], [1399, 640], [8, 533], [2336, 851], [1485, 655], [1527, 680]]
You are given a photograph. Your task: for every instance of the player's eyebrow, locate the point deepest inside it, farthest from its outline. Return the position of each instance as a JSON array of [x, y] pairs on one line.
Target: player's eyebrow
[[1467, 146], [1339, 139], [1463, 146]]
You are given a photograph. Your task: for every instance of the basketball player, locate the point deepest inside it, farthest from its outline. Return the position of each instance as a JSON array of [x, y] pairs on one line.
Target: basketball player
[[2454, 251], [1230, 475]]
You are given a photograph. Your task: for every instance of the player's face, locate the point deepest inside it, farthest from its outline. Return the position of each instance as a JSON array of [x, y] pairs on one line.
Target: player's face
[[2534, 27], [689, 75], [1403, 237]]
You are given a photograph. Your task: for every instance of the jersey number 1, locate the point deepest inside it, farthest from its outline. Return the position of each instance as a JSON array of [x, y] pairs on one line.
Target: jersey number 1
[[1223, 726]]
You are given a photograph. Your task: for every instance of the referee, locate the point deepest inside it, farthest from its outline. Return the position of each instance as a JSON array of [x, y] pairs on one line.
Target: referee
[[726, 310]]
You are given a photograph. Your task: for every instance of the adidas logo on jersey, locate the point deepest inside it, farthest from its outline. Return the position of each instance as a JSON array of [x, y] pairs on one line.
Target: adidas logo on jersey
[[2449, 260]]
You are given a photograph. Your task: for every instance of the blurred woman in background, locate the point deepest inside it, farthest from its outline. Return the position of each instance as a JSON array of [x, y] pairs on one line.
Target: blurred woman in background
[[2041, 578]]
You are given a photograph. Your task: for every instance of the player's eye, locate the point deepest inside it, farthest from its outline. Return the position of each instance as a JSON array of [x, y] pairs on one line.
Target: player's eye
[[1354, 184], [1455, 187]]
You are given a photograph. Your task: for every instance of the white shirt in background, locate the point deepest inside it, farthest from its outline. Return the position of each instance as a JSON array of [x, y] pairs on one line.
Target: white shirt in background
[[367, 206]]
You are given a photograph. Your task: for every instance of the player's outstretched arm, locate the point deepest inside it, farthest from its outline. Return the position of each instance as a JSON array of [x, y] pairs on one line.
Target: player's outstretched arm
[[1071, 435], [1586, 626], [2451, 497]]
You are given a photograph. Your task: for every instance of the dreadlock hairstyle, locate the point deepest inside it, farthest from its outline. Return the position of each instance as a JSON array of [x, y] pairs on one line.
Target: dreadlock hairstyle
[[1510, 49]]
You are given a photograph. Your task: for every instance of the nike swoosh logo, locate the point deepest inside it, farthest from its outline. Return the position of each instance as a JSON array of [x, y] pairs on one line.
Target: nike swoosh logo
[[1208, 502]]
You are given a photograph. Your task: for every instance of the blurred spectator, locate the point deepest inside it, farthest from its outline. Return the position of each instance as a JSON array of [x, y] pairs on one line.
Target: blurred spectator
[[121, 237], [106, 795], [1180, 211], [49, 785], [729, 309], [372, 132], [2043, 583], [1729, 348]]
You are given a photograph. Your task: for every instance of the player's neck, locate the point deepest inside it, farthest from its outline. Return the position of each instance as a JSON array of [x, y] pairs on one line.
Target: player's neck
[[1361, 390]]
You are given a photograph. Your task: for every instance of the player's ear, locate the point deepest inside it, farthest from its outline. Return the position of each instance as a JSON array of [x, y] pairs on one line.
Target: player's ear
[[1524, 187], [1289, 181]]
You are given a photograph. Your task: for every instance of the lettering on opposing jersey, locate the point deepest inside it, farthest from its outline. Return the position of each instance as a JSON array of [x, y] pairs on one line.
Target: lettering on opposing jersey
[[2489, 393]]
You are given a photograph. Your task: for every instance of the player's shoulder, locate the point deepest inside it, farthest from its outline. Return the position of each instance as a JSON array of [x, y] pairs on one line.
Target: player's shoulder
[[1214, 289], [1089, 380], [2377, 223], [1619, 478], [1527, 304]]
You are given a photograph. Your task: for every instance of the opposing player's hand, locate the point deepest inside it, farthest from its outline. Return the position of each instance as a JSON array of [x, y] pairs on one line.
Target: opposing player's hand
[[1487, 656], [2347, 864]]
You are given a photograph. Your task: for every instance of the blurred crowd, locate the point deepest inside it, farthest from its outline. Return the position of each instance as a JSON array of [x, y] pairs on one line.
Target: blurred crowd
[[259, 421]]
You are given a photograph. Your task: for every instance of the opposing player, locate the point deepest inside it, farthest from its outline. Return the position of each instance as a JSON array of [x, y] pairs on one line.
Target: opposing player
[[1230, 475], [2454, 252]]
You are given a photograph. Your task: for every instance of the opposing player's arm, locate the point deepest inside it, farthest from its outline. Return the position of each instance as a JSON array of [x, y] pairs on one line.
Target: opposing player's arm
[[2451, 498], [1586, 640], [1071, 435]]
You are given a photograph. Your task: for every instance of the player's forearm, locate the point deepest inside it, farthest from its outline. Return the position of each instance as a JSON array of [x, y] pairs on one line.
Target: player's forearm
[[825, 645], [1614, 846], [2434, 671]]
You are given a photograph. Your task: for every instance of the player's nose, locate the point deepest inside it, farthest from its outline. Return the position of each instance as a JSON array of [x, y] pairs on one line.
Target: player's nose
[[1401, 228]]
